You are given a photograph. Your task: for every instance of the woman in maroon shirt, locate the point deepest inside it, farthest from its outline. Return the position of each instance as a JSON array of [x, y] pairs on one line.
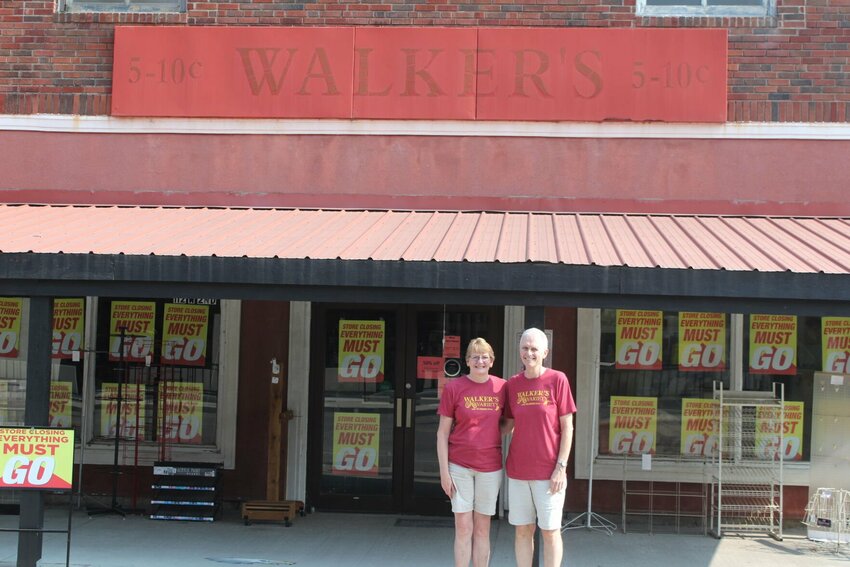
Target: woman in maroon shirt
[[469, 449]]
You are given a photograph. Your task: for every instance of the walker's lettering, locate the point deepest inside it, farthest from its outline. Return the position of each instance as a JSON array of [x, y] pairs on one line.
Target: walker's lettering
[[674, 75]]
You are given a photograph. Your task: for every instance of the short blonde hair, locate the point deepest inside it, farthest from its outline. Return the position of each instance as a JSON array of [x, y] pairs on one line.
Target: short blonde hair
[[480, 345]]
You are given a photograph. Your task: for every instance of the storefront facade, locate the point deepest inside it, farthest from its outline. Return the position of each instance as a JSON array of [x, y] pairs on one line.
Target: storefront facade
[[236, 240]]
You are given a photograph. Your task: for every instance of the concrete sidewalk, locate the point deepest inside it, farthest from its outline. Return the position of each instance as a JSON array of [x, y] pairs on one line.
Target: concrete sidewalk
[[363, 540]]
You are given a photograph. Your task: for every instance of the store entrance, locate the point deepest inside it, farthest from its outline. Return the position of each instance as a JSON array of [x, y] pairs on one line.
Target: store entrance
[[376, 376]]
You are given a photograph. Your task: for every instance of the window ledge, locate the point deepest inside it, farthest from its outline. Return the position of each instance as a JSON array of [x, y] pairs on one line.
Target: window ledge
[[103, 453], [121, 17]]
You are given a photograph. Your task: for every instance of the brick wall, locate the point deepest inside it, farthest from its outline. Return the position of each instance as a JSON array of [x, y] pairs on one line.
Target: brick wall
[[794, 67]]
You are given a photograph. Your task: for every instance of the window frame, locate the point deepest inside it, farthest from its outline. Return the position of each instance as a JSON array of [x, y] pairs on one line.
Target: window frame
[[123, 6], [767, 9]]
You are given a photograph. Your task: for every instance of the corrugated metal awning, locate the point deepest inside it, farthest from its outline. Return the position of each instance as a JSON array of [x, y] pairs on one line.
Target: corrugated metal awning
[[767, 244], [521, 257]]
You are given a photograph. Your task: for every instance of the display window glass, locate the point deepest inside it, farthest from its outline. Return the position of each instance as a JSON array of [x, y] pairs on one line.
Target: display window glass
[[156, 365], [659, 371]]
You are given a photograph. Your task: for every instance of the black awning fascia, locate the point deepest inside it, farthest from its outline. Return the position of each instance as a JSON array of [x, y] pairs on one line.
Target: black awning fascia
[[423, 282]]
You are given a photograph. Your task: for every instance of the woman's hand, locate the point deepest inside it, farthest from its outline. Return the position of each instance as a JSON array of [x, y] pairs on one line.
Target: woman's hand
[[447, 484], [558, 480]]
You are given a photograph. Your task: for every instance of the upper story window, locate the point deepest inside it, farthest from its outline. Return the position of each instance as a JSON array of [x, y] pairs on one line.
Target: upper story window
[[722, 8], [125, 6]]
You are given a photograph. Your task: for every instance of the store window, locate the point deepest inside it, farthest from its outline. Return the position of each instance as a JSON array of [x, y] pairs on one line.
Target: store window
[[648, 368], [130, 6], [66, 366], [659, 371], [156, 365], [728, 8]]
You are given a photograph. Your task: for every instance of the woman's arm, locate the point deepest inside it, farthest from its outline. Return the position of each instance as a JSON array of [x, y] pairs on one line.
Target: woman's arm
[[443, 431], [558, 480]]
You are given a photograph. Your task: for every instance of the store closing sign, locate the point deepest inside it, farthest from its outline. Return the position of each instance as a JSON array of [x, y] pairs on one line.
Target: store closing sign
[[357, 438], [179, 412], [36, 458], [68, 325], [184, 334], [773, 344], [361, 351], [639, 335], [836, 344], [135, 319], [777, 436], [10, 326], [633, 424], [702, 342]]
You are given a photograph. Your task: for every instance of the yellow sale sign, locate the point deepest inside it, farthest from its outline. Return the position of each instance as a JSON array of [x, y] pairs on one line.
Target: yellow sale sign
[[184, 334], [10, 326], [699, 427], [68, 325], [835, 344], [361, 351], [631, 430], [702, 342], [180, 412], [768, 430], [36, 458], [60, 404], [357, 439], [136, 320], [132, 410], [639, 335], [773, 344]]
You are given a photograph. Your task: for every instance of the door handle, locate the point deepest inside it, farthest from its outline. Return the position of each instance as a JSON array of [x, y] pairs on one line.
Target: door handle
[[398, 412], [409, 411]]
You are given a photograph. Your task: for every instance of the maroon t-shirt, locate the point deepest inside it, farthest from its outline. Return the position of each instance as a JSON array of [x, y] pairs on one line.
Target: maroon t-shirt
[[476, 440], [536, 406]]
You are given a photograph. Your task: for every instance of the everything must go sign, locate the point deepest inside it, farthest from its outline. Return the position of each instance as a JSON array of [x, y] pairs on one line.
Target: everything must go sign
[[36, 458]]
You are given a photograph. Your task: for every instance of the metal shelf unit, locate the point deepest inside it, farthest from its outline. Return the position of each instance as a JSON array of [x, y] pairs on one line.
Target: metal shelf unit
[[747, 468]]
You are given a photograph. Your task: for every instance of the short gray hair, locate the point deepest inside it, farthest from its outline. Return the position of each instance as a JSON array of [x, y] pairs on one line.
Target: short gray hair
[[536, 334]]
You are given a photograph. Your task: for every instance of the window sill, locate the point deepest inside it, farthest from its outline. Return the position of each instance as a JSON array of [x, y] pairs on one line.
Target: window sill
[[103, 453], [121, 17]]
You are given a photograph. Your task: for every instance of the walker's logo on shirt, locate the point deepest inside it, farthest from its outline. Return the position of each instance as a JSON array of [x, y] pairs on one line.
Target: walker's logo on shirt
[[534, 398], [481, 403]]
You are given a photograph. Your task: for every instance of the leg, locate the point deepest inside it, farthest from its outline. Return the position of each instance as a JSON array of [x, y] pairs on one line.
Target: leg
[[524, 545], [463, 539], [553, 548], [480, 540]]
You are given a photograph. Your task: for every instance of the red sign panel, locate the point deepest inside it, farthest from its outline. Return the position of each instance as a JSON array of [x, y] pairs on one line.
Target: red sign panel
[[233, 72], [672, 75], [415, 73]]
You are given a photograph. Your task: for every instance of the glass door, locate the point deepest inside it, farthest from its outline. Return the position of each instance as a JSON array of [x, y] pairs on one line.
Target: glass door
[[437, 355], [376, 378], [356, 372]]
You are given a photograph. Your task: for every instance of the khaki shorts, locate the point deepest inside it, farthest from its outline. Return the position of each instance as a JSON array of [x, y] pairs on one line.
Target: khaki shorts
[[474, 490], [530, 500]]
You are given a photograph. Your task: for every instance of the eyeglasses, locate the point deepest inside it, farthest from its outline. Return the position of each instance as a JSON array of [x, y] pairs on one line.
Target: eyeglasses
[[482, 357]]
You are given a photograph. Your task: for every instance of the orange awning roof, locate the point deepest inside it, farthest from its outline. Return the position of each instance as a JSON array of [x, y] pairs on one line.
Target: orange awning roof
[[765, 244], [734, 264]]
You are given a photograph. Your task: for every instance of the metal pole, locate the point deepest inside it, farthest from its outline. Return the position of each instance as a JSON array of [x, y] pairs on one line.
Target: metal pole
[[118, 420], [36, 413]]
